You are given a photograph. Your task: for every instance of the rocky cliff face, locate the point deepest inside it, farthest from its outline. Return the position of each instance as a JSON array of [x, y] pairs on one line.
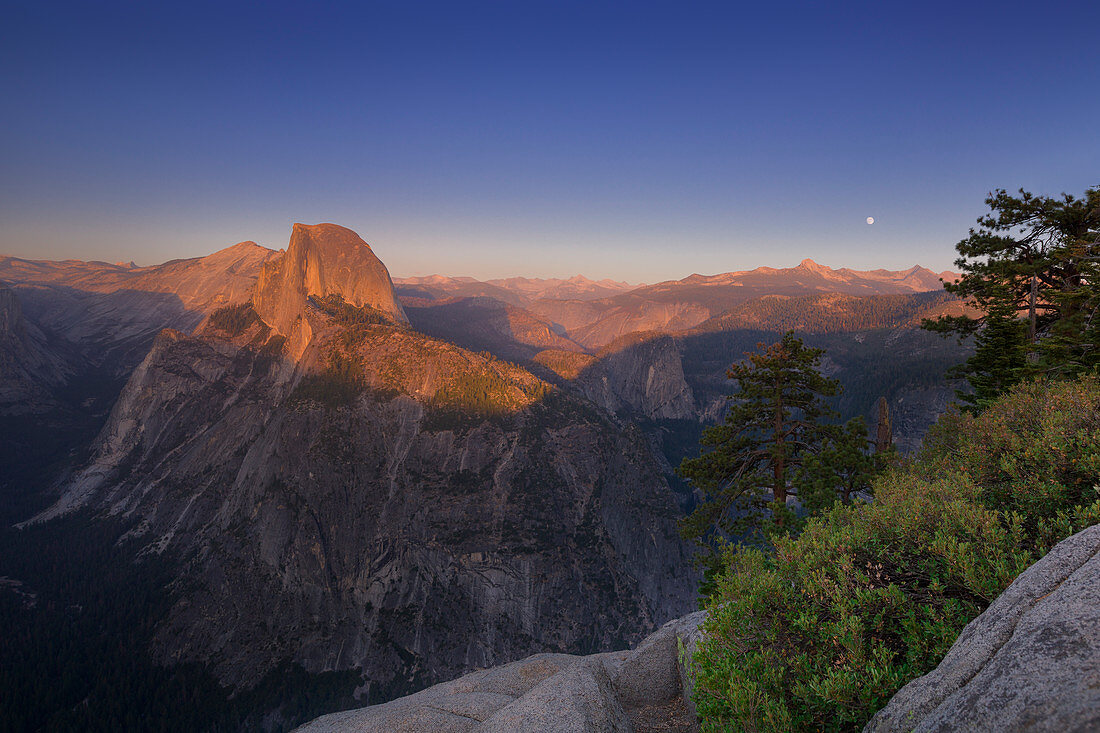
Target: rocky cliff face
[[487, 324], [375, 498], [11, 315], [30, 371], [323, 260], [641, 375]]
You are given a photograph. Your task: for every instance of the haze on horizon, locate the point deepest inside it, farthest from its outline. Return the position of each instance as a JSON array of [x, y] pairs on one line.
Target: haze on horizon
[[541, 139]]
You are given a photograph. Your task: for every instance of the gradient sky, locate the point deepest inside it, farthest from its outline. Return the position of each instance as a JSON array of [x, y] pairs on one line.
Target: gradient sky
[[628, 140]]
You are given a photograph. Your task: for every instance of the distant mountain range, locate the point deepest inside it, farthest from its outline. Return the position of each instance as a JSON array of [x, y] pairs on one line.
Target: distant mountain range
[[516, 290], [807, 276]]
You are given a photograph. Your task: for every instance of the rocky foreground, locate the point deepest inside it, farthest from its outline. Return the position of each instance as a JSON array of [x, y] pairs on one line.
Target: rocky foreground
[[637, 690], [1031, 662]]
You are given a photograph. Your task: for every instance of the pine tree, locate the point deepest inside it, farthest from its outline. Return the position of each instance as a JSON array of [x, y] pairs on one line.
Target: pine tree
[[747, 462], [1032, 267], [840, 469]]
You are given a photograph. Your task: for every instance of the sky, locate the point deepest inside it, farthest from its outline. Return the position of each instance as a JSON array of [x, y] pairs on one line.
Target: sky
[[632, 140]]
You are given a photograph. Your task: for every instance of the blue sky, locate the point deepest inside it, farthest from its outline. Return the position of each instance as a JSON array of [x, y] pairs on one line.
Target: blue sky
[[629, 140]]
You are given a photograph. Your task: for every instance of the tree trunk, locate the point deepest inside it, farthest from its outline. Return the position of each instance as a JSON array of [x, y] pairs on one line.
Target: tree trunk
[[779, 491], [884, 433]]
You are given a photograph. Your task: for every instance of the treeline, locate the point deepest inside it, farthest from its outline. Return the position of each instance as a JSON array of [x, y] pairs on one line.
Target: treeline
[[234, 319], [819, 632], [828, 313]]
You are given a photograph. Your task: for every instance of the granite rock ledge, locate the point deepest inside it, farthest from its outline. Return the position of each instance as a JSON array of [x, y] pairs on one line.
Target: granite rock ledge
[[1030, 662], [642, 689]]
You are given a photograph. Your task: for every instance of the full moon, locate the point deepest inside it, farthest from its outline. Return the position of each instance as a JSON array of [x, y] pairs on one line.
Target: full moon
[[870, 220]]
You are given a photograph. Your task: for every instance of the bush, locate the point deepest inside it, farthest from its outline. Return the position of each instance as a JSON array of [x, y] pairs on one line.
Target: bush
[[824, 631]]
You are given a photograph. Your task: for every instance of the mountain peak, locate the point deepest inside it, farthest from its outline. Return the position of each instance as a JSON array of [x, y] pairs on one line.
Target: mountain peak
[[322, 260], [808, 264]]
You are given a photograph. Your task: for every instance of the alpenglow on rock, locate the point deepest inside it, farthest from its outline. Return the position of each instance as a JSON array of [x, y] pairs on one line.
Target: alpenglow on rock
[[323, 260]]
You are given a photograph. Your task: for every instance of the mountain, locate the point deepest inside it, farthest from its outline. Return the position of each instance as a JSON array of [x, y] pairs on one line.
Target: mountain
[[338, 490], [112, 313], [487, 324], [323, 260], [680, 305], [577, 287], [425, 290], [315, 472], [30, 371], [675, 383]]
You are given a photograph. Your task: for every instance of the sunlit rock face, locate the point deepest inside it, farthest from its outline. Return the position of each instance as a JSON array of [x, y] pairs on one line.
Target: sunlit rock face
[[323, 260], [112, 313]]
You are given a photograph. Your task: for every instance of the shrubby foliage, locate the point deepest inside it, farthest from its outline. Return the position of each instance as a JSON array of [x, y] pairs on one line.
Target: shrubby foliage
[[822, 633]]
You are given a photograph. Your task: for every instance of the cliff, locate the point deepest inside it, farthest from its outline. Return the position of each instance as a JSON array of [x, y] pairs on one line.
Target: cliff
[[647, 688], [640, 375], [111, 313], [30, 370]]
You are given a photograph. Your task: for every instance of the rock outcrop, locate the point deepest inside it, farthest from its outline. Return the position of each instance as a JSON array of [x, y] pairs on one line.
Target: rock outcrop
[[323, 260], [1030, 662], [614, 692]]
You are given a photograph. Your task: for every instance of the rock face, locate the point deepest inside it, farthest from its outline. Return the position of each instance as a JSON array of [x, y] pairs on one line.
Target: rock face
[[323, 260], [1031, 662], [436, 511], [547, 693], [487, 324], [30, 371], [642, 376], [11, 315]]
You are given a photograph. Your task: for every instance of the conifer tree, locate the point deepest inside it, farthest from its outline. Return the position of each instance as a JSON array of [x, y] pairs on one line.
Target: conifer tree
[[1031, 268], [747, 462], [840, 469]]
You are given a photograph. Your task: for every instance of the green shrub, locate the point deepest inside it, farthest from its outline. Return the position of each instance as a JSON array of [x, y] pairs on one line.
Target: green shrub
[[820, 634], [1036, 451]]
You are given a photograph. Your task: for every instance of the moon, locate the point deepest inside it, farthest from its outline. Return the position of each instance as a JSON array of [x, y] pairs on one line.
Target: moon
[[870, 220]]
